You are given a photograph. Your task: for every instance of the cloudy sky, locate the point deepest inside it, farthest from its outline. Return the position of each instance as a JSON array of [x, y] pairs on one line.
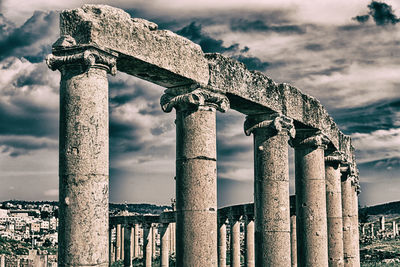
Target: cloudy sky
[[345, 53]]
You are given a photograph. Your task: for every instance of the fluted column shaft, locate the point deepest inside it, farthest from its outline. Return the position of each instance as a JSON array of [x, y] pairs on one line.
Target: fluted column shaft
[[334, 209], [147, 246], [222, 242], [312, 239], [164, 249], [127, 246], [249, 242], [293, 241], [271, 188], [196, 174], [83, 153]]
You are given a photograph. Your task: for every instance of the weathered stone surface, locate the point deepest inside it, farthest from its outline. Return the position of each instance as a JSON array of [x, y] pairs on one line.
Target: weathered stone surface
[[164, 248], [156, 55], [249, 241], [271, 188], [234, 222], [222, 241], [293, 241]]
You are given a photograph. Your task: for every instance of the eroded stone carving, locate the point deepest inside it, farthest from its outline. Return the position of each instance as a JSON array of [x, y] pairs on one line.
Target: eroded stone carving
[[66, 52], [309, 138], [277, 122], [197, 99]]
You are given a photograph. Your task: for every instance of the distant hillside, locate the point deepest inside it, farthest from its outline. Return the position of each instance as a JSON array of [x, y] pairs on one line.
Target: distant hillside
[[383, 209]]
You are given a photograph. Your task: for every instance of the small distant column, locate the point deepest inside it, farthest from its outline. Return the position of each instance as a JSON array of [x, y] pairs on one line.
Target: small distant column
[[2, 261], [334, 208], [196, 172], [153, 240], [118, 243], [122, 242], [382, 222], [222, 242], [132, 242], [312, 238], [136, 247], [110, 245], [147, 246], [234, 222], [372, 230], [127, 246], [271, 133], [164, 249], [293, 241], [249, 241], [394, 229]]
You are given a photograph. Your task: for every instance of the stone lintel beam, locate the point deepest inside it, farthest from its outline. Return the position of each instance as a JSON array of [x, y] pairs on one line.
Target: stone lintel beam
[[159, 56]]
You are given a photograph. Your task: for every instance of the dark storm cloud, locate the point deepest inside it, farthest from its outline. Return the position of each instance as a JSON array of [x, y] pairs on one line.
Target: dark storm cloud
[[369, 118], [29, 40], [253, 63], [16, 145], [380, 12], [314, 47], [244, 25], [194, 32]]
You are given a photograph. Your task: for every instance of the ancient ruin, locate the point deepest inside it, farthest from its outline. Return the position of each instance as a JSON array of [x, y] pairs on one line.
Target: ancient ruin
[[97, 40]]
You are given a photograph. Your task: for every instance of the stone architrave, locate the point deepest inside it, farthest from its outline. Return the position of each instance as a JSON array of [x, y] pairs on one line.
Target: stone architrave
[[249, 241], [234, 222], [196, 172], [312, 239], [271, 187], [222, 241], [83, 152], [334, 208]]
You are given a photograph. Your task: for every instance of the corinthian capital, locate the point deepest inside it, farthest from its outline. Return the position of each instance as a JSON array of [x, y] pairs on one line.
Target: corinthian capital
[[309, 138], [196, 99], [66, 52], [335, 157], [277, 123]]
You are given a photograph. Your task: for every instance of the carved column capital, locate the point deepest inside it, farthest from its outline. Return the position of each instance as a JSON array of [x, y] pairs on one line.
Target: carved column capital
[[309, 138], [277, 123], [335, 157], [199, 98], [67, 52]]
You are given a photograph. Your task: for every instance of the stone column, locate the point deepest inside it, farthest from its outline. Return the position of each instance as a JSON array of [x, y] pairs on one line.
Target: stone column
[[249, 241], [234, 222], [132, 245], [271, 187], [136, 241], [293, 241], [153, 241], [2, 261], [83, 152], [164, 250], [334, 208], [127, 246], [382, 223], [372, 230], [222, 242], [356, 230], [312, 239], [110, 245], [122, 242], [196, 173], [350, 225], [147, 246], [118, 242]]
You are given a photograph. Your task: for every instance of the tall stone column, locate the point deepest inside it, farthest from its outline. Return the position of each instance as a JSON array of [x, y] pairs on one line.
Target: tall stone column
[[222, 242], [136, 241], [153, 240], [372, 230], [132, 245], [334, 209], [312, 239], [271, 187], [164, 250], [122, 242], [83, 152], [147, 246], [196, 173], [234, 222], [118, 242], [356, 230], [249, 241], [293, 241], [2, 261], [350, 219], [127, 246]]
